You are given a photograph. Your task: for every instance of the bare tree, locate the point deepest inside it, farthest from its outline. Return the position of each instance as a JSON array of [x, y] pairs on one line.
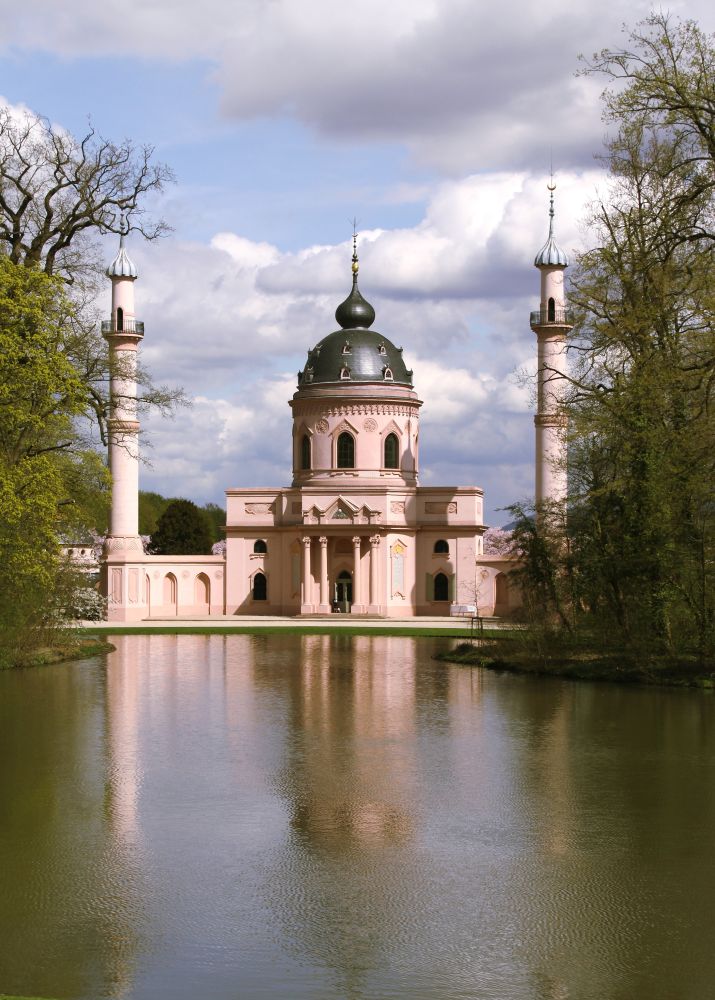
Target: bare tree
[[58, 193]]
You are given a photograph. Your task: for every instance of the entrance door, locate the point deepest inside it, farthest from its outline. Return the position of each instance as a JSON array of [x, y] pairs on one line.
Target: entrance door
[[344, 591]]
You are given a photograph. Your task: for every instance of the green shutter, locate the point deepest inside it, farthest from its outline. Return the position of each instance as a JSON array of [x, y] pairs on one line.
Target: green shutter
[[429, 589]]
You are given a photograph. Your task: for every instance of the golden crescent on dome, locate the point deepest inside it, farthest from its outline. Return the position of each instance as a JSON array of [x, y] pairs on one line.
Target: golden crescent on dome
[[551, 187]]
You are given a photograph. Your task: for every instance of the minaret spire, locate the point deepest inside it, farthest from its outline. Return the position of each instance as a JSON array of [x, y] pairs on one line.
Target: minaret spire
[[551, 323], [551, 187], [123, 333]]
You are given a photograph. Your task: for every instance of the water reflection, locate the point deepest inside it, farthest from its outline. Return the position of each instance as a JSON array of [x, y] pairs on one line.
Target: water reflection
[[329, 816], [70, 884], [349, 772]]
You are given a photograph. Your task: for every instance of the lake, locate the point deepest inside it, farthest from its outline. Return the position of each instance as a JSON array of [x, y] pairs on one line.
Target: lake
[[287, 816]]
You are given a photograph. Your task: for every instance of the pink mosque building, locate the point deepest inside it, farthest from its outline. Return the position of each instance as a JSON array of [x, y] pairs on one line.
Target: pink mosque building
[[354, 532]]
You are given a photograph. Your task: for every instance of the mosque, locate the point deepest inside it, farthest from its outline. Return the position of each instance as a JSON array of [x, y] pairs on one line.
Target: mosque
[[354, 532]]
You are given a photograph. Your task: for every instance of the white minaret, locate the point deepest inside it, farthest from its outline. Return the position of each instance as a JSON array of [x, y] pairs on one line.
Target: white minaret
[[551, 324], [123, 334]]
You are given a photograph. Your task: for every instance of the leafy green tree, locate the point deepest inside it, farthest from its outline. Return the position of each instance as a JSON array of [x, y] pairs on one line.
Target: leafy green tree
[[58, 195], [151, 507], [48, 485], [182, 531], [634, 562], [216, 517]]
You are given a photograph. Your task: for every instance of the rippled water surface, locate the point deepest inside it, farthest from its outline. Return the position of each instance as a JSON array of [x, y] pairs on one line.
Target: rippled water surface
[[230, 817]]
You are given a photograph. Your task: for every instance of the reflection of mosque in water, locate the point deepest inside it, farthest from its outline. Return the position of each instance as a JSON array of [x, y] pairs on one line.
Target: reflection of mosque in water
[[348, 880], [344, 784], [341, 809]]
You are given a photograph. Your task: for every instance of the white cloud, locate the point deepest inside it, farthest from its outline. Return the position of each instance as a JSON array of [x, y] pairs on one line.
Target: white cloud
[[465, 86]]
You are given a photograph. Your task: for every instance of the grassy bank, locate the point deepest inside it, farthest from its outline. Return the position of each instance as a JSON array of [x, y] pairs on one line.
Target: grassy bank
[[70, 647], [515, 656], [6, 996]]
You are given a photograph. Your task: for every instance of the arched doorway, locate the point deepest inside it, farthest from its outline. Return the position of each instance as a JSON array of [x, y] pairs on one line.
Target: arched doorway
[[170, 595], [501, 593], [260, 587], [344, 591], [441, 587], [202, 594]]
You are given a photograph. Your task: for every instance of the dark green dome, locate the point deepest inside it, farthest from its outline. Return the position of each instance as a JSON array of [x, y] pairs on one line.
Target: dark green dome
[[355, 355]]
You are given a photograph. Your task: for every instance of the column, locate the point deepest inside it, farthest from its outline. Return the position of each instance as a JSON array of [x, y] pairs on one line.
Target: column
[[551, 479], [357, 588], [123, 434], [374, 606], [307, 603], [324, 608]]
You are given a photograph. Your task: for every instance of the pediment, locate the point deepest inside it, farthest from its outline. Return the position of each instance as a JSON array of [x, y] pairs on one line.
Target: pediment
[[341, 510]]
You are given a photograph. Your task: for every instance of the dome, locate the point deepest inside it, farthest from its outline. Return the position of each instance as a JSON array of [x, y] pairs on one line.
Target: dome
[[551, 254], [354, 356], [355, 353], [122, 266]]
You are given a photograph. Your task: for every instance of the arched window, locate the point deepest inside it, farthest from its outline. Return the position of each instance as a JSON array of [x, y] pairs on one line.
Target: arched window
[[260, 587], [120, 318], [344, 373], [551, 315], [305, 452], [387, 374], [441, 587], [260, 546], [346, 451], [392, 452], [441, 546]]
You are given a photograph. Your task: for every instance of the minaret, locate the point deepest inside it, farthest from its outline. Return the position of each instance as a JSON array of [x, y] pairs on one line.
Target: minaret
[[123, 334], [551, 324]]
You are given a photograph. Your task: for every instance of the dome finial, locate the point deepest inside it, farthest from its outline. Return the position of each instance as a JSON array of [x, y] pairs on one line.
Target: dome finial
[[355, 311], [356, 262], [123, 229], [551, 187]]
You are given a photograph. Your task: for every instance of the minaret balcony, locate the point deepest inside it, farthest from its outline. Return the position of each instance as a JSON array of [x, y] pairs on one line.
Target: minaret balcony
[[134, 326], [552, 317]]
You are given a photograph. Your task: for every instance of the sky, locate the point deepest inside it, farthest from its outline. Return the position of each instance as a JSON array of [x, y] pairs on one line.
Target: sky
[[433, 122]]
